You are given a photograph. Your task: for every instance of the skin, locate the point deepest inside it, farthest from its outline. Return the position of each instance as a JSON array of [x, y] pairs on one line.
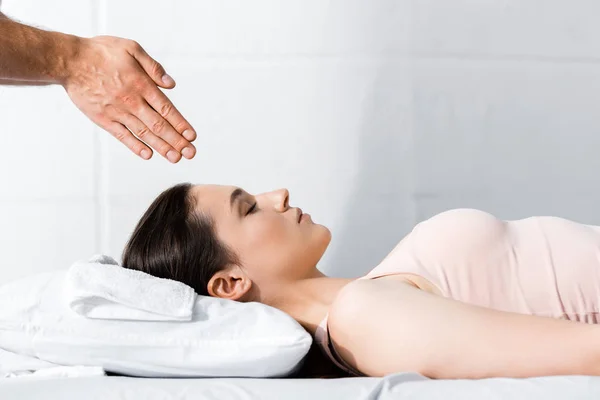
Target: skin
[[404, 324], [288, 277], [113, 81]]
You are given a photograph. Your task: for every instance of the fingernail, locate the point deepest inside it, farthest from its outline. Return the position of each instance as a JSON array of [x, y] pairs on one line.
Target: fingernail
[[167, 80], [187, 152], [145, 154], [189, 135], [173, 156]]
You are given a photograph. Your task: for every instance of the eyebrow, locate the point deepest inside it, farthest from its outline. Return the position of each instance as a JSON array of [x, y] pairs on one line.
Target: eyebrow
[[235, 195]]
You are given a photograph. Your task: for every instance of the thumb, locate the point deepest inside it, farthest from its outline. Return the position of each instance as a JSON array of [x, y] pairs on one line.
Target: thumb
[[153, 68]]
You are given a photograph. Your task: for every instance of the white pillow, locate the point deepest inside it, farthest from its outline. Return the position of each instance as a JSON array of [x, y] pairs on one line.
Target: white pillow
[[224, 338]]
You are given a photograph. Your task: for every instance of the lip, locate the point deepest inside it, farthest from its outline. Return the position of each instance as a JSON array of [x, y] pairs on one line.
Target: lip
[[304, 216], [298, 214]]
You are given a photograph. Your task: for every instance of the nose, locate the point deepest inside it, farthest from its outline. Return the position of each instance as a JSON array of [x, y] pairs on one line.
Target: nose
[[282, 201], [278, 199]]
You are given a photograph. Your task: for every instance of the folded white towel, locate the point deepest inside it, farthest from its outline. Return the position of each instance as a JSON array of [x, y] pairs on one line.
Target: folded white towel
[[100, 288]]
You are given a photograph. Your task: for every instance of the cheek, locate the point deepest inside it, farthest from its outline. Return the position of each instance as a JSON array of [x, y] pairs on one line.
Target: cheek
[[276, 247], [269, 233], [264, 244]]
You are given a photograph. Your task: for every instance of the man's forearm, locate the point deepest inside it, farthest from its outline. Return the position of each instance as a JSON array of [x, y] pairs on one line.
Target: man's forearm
[[33, 56]]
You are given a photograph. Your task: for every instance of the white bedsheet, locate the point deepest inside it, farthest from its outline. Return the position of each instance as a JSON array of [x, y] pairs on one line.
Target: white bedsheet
[[12, 363], [398, 386]]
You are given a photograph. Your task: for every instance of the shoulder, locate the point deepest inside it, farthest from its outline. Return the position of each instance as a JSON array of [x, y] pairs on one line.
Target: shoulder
[[362, 319], [351, 303], [350, 299], [349, 322], [358, 305]]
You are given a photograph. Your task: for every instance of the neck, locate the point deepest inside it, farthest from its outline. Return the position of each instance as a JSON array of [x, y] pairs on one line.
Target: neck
[[308, 300]]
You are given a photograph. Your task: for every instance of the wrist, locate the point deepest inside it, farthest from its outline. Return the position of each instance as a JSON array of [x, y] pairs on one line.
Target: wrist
[[64, 62]]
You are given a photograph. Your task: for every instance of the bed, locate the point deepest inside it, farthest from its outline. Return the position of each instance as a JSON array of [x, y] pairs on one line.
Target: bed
[[28, 376], [397, 386]]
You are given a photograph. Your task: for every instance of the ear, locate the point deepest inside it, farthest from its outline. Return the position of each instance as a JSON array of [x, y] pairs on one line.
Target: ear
[[230, 283]]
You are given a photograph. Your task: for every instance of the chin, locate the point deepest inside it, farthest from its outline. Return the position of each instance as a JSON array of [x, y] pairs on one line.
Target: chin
[[328, 235], [316, 226], [324, 238], [319, 232]]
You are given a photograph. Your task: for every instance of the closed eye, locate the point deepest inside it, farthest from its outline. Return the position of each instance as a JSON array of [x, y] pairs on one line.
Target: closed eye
[[252, 209]]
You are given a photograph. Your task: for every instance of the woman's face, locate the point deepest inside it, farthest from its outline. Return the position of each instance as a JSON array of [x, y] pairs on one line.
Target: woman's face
[[271, 242]]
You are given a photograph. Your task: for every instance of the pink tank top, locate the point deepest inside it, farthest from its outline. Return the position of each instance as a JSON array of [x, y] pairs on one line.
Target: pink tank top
[[545, 266]]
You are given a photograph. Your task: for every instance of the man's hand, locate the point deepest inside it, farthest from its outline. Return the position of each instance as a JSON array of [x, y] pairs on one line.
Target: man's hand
[[114, 82]]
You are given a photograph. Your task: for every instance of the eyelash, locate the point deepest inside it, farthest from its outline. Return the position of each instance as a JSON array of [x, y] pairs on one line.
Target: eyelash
[[252, 209]]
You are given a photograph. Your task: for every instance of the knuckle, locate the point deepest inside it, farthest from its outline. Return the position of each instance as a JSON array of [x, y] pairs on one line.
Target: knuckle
[[138, 82], [129, 100], [142, 132], [180, 143], [150, 96], [165, 109], [140, 108], [120, 135], [158, 126], [157, 69], [180, 126], [100, 119], [111, 111], [133, 45]]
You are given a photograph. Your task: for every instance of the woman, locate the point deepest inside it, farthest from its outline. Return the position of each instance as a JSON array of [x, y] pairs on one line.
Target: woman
[[450, 301]]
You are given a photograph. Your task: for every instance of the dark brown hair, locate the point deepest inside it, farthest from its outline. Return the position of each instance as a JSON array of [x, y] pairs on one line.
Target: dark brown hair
[[172, 240]]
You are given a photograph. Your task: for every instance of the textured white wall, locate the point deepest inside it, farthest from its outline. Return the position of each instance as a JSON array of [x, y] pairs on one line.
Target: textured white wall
[[374, 114]]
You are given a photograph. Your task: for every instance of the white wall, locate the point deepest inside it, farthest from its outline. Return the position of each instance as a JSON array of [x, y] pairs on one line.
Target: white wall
[[375, 115]]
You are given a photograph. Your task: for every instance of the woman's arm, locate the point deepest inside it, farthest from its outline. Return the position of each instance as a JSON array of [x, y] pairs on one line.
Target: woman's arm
[[381, 327]]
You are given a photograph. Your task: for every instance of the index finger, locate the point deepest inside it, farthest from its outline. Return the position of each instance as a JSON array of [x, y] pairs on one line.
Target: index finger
[[163, 106]]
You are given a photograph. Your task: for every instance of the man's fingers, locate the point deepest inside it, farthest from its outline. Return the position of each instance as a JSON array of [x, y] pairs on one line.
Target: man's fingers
[[125, 137], [142, 131], [163, 106], [121, 106], [163, 129], [152, 67], [159, 102]]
